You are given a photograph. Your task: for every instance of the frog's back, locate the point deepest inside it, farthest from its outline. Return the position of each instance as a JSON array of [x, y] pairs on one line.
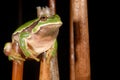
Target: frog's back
[[24, 26]]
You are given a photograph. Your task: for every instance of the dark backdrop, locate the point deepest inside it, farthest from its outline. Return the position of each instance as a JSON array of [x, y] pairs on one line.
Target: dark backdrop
[[9, 22]]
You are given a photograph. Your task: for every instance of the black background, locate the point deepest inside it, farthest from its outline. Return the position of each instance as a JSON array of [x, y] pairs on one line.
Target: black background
[[98, 33]]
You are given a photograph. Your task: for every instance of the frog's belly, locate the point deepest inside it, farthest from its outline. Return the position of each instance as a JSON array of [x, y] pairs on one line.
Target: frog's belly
[[40, 44]]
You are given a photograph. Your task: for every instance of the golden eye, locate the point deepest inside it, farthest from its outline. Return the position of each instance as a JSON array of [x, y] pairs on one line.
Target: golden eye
[[43, 18]]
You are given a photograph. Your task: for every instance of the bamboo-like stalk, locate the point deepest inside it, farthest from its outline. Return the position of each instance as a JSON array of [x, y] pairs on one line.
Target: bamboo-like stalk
[[49, 70], [72, 53], [52, 6], [17, 68], [81, 43]]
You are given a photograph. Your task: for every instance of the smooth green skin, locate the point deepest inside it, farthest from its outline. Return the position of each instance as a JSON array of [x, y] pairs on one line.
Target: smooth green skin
[[52, 20], [24, 35]]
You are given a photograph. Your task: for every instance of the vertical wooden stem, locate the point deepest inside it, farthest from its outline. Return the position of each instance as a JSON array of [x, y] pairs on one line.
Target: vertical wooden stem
[[49, 70], [52, 6], [44, 70], [72, 53], [20, 12], [81, 43], [17, 68]]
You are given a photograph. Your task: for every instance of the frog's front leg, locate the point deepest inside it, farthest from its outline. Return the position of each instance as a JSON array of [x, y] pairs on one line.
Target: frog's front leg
[[52, 51], [24, 46]]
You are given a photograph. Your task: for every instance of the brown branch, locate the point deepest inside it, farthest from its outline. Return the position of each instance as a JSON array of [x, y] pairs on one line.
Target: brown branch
[[17, 70], [81, 43], [20, 12], [49, 70], [17, 67], [52, 6], [72, 53]]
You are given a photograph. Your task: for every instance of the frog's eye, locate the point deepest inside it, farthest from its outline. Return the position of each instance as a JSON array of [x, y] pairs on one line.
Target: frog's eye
[[43, 18]]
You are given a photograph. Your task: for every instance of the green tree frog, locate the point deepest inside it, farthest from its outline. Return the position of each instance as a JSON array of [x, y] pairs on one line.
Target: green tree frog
[[35, 37]]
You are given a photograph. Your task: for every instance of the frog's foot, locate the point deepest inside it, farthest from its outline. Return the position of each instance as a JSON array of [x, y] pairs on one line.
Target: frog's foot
[[52, 51], [15, 57], [32, 55], [49, 54]]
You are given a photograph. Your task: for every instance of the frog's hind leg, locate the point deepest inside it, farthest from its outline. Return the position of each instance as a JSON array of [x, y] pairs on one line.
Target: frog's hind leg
[[24, 46]]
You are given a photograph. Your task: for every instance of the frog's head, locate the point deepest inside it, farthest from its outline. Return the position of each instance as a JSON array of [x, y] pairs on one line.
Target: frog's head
[[52, 22]]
